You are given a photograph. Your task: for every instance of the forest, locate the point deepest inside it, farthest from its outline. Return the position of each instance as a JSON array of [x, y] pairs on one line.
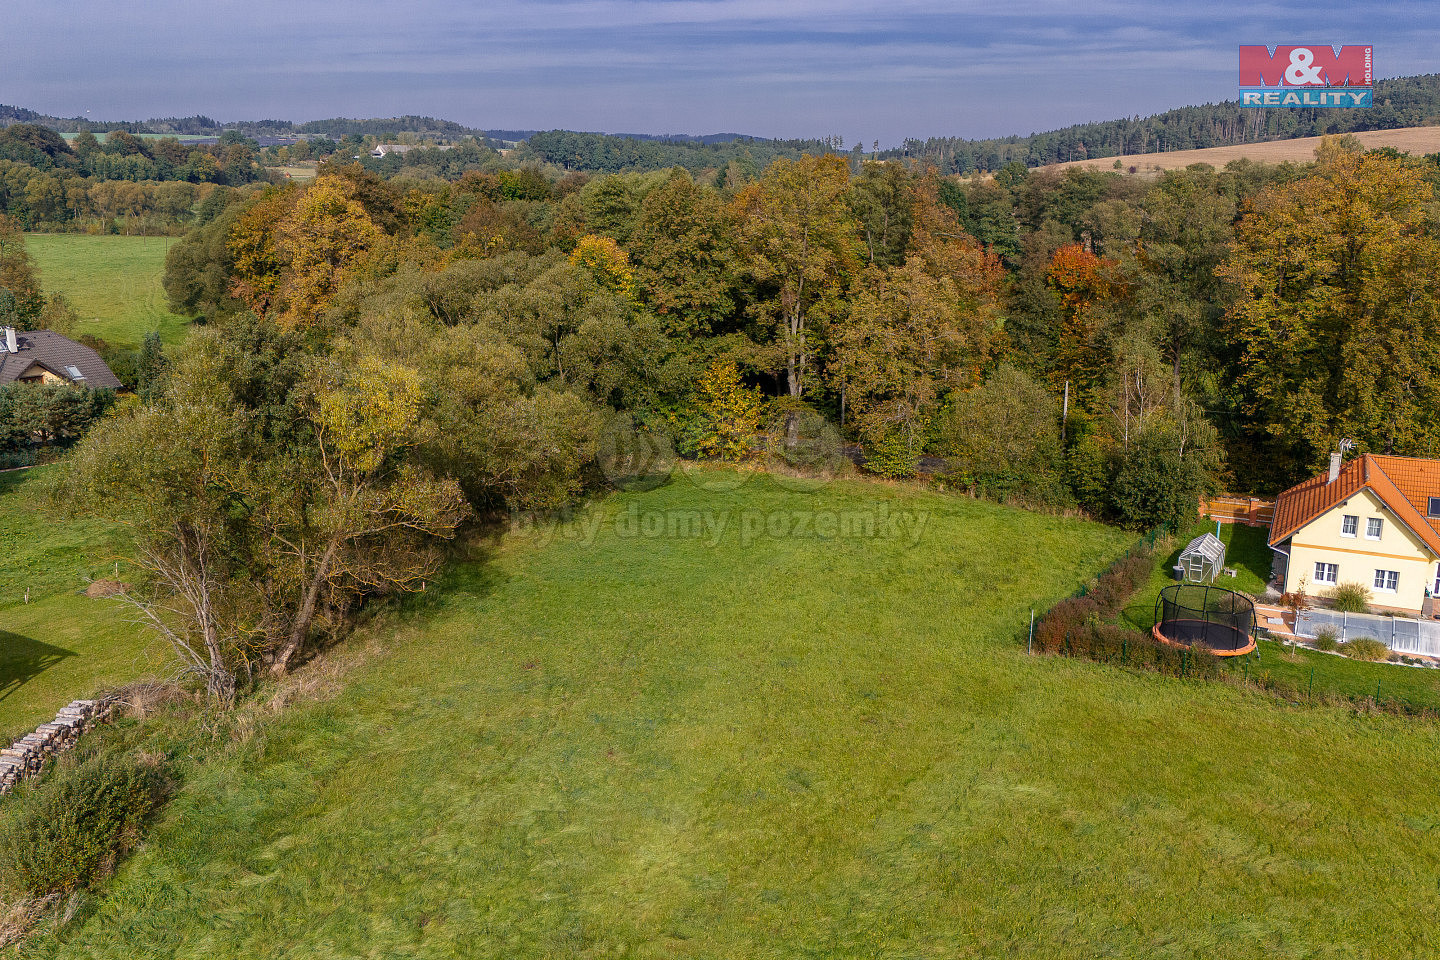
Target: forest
[[378, 363]]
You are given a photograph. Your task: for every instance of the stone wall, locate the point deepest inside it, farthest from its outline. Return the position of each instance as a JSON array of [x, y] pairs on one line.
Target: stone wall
[[26, 756]]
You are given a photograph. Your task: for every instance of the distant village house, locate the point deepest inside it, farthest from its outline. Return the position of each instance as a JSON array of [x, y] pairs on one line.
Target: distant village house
[[385, 149]]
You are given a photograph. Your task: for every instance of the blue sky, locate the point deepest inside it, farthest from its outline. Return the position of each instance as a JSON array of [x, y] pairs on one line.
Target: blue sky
[[879, 70]]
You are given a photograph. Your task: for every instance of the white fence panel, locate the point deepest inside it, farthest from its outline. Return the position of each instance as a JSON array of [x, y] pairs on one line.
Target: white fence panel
[[1401, 634]]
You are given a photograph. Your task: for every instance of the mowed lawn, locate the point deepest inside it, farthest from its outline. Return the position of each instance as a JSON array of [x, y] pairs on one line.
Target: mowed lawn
[[61, 644], [783, 744], [113, 282]]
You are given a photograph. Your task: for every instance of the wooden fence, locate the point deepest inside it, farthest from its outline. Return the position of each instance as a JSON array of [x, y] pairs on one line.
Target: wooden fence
[[1251, 511]]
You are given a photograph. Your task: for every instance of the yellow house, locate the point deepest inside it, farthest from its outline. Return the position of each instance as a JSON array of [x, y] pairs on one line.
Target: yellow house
[[1374, 521]]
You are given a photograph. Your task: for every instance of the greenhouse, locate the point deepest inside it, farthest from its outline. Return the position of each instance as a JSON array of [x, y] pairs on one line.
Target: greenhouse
[[1202, 560]]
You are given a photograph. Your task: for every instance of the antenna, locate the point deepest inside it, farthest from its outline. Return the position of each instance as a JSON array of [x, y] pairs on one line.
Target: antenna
[[1345, 445]]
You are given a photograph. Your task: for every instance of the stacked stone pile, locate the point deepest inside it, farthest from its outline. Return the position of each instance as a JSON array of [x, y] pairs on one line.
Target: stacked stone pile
[[26, 756]]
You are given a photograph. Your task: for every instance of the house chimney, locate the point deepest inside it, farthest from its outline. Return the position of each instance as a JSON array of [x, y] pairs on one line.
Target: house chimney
[[1334, 466], [10, 345]]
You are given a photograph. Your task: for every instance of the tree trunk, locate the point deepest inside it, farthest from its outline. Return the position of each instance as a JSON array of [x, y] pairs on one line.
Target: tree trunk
[[300, 630]]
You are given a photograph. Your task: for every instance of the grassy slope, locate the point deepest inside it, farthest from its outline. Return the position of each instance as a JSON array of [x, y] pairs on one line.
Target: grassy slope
[[648, 747], [60, 645], [1247, 552], [114, 283]]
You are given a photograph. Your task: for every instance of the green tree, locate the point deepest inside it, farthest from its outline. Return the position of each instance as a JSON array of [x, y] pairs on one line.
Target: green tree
[[797, 240], [17, 275], [1337, 312], [685, 263], [1003, 438]]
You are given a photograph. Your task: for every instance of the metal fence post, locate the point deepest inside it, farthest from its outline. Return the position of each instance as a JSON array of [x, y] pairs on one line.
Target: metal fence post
[[1030, 645], [1310, 691]]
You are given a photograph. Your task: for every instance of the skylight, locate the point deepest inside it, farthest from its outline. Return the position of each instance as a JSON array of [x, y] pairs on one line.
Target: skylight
[[74, 372]]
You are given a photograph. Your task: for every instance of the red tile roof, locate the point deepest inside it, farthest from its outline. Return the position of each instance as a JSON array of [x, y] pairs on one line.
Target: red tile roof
[[1404, 484]]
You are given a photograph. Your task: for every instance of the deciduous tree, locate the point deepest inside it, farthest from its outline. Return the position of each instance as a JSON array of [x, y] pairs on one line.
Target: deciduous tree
[[797, 240]]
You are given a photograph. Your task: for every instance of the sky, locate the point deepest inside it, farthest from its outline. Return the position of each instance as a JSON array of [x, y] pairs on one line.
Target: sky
[[864, 70]]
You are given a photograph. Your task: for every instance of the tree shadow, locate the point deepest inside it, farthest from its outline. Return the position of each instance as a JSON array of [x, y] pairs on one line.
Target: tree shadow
[[23, 659]]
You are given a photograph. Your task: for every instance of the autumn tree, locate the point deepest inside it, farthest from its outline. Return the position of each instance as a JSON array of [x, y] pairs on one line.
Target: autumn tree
[[319, 241], [606, 262], [685, 262], [1337, 311], [1084, 284], [251, 259], [729, 412], [917, 331], [291, 250], [796, 239]]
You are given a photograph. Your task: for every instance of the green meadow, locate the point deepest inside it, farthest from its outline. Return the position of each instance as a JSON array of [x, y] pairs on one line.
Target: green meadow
[[703, 722], [114, 283], [58, 644]]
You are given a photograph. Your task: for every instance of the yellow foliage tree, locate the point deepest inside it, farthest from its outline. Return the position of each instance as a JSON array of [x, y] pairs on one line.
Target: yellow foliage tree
[[730, 412], [606, 262]]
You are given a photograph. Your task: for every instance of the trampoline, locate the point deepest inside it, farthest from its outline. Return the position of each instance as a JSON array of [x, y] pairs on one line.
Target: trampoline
[[1213, 618]]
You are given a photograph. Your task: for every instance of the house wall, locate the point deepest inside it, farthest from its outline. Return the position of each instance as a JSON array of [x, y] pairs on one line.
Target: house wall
[[1358, 557]]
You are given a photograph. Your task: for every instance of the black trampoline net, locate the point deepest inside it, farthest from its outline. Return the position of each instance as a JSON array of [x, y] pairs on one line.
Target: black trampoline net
[[1200, 615]]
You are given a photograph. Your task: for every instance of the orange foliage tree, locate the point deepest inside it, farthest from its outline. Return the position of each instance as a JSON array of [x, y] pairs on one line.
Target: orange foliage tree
[[1085, 284]]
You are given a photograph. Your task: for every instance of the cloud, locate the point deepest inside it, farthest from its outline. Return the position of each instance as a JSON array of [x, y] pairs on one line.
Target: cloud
[[799, 68]]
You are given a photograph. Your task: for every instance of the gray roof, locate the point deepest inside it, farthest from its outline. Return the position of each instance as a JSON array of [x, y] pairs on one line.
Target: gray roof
[[58, 355], [1206, 545]]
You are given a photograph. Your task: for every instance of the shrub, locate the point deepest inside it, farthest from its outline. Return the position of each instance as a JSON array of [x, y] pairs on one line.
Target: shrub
[[1325, 639], [1351, 598], [1365, 648], [896, 455], [1102, 601], [69, 829]]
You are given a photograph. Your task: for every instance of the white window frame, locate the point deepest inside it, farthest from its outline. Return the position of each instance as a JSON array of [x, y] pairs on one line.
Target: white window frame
[[1322, 568], [1377, 524], [1433, 507], [1387, 581], [1353, 522]]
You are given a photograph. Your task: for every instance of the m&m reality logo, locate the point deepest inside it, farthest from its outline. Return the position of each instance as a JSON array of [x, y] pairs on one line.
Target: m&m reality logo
[[1312, 75]]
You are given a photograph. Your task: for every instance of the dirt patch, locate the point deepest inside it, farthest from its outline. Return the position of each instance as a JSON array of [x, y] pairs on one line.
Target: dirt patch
[[106, 588]]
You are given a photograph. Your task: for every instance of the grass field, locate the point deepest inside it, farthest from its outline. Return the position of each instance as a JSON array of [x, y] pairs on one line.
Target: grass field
[[735, 744], [61, 644], [114, 283], [299, 171]]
